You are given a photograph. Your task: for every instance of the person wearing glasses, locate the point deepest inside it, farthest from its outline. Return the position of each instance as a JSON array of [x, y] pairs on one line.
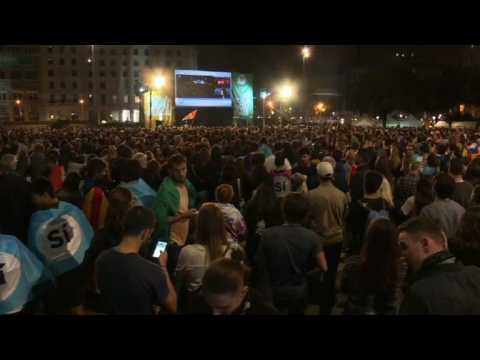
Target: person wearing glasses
[[439, 284]]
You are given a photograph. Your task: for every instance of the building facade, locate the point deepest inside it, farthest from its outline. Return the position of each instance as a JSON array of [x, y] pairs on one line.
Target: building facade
[[84, 83], [19, 84]]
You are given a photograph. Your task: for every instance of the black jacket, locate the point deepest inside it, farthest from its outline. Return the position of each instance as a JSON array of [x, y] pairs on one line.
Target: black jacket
[[15, 206], [443, 287], [357, 183]]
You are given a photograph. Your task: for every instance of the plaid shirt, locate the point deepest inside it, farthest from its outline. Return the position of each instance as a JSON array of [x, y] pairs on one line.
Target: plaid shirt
[[406, 187]]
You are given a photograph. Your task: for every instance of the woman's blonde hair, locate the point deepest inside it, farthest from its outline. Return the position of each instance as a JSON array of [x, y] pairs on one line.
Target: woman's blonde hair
[[211, 231]]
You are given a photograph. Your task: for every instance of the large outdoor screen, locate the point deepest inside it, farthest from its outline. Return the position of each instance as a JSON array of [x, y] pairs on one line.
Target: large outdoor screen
[[195, 88], [242, 96]]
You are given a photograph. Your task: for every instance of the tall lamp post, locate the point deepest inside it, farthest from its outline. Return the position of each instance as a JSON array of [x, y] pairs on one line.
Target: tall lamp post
[[81, 102], [263, 95], [285, 93], [306, 53], [18, 103], [158, 82]]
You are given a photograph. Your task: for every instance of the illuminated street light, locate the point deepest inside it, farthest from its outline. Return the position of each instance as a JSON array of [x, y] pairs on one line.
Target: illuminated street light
[[306, 52], [18, 101], [270, 104], [378, 117], [159, 81], [320, 107], [89, 60], [286, 92], [264, 95], [81, 101]]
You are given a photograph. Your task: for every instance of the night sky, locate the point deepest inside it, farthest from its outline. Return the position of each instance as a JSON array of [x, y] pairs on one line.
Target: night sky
[[266, 63], [272, 63]]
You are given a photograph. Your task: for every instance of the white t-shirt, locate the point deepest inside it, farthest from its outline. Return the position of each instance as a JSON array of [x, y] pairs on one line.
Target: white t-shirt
[[281, 182], [192, 264], [270, 164]]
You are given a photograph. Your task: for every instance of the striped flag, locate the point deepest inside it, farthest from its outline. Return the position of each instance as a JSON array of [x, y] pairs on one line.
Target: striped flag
[[191, 116], [95, 207]]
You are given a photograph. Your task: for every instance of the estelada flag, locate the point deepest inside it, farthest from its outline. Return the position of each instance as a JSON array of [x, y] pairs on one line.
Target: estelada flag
[[190, 116], [95, 207]]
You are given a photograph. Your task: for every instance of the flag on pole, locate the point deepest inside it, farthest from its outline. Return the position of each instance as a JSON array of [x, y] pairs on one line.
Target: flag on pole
[[191, 116]]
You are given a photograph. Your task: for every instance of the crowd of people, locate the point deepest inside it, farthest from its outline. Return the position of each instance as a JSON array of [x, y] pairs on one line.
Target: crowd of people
[[256, 221]]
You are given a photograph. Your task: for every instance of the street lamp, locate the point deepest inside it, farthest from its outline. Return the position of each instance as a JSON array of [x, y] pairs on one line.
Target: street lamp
[[285, 93], [263, 95], [157, 82], [81, 102], [306, 53], [18, 103]]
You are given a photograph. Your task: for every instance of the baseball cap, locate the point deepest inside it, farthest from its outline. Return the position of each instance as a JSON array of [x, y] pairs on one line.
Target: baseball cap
[[325, 169]]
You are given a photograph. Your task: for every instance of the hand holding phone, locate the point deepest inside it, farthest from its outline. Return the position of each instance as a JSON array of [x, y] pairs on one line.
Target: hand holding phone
[[163, 259], [160, 248]]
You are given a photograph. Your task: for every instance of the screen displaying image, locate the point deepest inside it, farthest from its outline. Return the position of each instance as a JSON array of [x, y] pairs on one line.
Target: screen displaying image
[[243, 96], [159, 248], [195, 88]]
